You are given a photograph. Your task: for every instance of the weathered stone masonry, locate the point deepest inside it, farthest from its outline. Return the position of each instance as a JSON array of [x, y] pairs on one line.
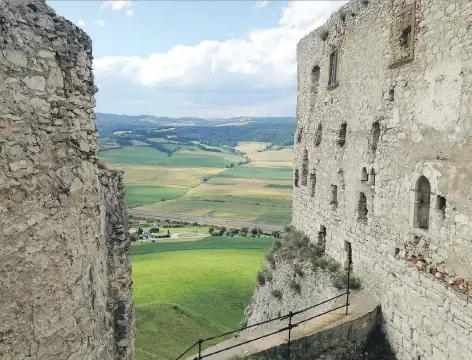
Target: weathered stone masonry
[[385, 115], [64, 250]]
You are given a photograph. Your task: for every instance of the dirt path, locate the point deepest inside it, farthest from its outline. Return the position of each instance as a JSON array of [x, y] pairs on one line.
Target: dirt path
[[206, 219]]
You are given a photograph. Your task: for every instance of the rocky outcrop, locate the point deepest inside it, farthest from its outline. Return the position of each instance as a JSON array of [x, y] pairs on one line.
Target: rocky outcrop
[[64, 262], [288, 290]]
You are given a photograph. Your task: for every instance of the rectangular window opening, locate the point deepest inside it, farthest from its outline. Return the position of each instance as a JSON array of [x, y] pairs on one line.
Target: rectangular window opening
[[333, 68]]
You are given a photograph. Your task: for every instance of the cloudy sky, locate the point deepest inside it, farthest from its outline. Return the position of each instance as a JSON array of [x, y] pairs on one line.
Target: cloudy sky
[[196, 58]]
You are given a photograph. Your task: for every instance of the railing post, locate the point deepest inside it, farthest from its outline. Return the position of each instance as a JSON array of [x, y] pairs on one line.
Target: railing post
[[290, 314], [200, 341], [349, 262]]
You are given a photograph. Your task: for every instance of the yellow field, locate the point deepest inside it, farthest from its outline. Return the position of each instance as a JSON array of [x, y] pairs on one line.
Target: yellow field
[[181, 177], [251, 147], [252, 188], [284, 155]]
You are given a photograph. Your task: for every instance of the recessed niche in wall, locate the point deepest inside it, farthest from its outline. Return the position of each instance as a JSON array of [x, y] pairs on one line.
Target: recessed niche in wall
[[299, 135], [402, 36], [296, 178], [362, 208], [441, 206], [375, 133], [364, 176]]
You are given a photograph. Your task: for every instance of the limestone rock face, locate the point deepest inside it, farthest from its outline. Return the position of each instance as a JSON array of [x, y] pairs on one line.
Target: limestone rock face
[[64, 268], [276, 297]]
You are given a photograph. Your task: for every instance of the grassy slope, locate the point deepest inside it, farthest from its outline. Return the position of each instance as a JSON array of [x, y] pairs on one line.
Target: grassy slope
[[183, 295]]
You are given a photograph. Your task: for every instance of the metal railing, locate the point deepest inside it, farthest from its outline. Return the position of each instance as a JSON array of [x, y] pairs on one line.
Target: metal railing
[[288, 328]]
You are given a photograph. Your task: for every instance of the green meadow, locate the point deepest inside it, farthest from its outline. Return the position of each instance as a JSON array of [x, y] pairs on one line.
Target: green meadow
[[137, 195], [187, 290]]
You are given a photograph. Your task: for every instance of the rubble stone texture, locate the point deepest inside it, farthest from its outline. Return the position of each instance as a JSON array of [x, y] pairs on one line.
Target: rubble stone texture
[[64, 246], [405, 95]]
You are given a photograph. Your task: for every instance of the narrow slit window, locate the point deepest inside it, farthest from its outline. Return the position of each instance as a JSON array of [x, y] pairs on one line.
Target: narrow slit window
[[334, 195], [364, 176], [322, 238], [318, 135], [342, 135], [333, 68], [296, 178], [313, 182], [305, 168]]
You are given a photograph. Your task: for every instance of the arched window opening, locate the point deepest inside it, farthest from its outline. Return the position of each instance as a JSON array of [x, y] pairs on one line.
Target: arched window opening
[[319, 132], [296, 178], [372, 177], [299, 135], [313, 182], [305, 168], [375, 135], [322, 238], [364, 176], [342, 135], [362, 208], [334, 195], [422, 203], [441, 206], [315, 82]]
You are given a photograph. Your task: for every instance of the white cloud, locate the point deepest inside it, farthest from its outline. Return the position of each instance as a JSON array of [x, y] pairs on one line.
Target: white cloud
[[99, 23], [116, 5], [263, 62], [260, 4], [129, 12], [81, 23]]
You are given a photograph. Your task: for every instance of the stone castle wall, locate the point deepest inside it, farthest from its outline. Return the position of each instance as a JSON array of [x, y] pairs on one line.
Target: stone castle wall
[[403, 93], [64, 262]]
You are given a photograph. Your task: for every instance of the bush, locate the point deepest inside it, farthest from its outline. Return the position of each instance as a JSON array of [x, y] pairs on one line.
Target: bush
[[295, 286], [276, 293], [298, 270], [333, 266], [261, 278], [320, 262], [340, 281], [288, 228]]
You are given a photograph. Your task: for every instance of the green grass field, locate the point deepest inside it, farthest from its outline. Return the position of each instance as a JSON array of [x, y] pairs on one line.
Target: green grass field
[[187, 290], [137, 195], [259, 173]]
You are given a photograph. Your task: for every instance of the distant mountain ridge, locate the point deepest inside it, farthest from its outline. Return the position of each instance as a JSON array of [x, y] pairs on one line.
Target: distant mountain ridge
[[168, 120]]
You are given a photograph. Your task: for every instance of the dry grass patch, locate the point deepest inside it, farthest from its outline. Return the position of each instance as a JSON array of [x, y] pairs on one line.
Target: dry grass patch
[[251, 147]]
